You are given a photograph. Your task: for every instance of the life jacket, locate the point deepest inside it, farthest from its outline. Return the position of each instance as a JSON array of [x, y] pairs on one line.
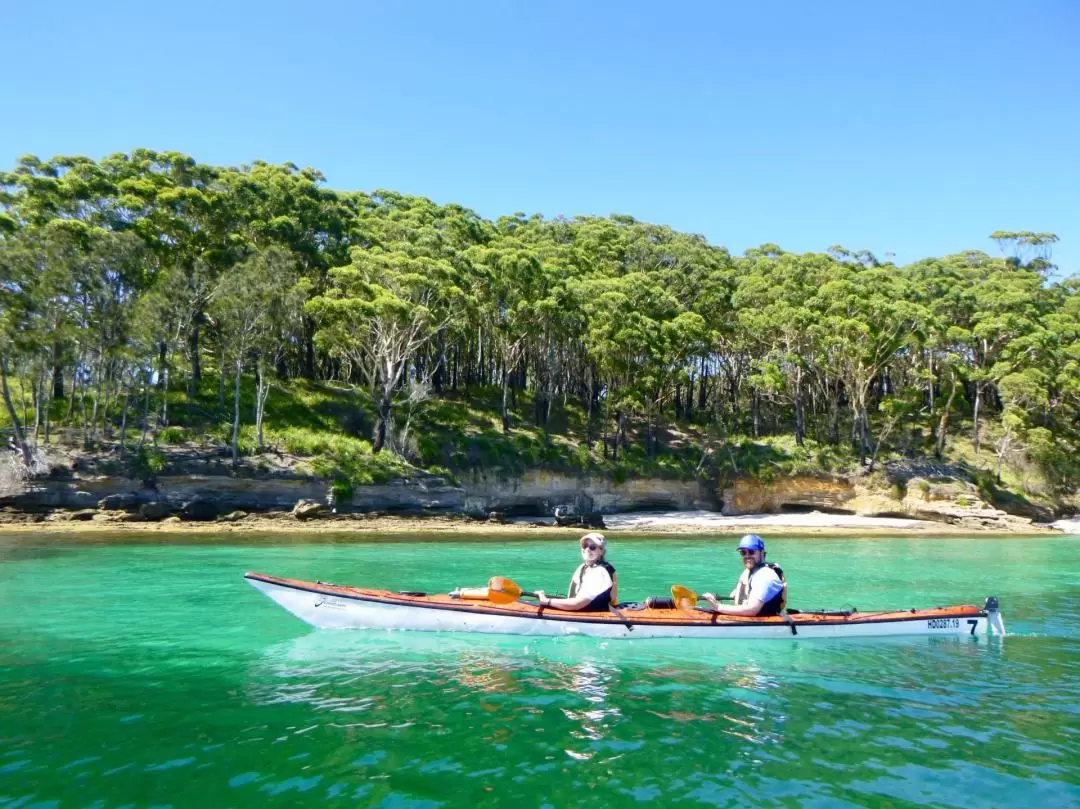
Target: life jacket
[[776, 604], [600, 603]]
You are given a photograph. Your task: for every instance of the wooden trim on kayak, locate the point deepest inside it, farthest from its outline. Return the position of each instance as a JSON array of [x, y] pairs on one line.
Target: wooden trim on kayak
[[646, 617]]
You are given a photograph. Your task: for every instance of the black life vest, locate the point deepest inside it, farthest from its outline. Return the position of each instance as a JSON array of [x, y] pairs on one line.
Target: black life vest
[[602, 602], [776, 604]]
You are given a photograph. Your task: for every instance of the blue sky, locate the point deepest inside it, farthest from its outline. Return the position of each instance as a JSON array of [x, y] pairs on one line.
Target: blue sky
[[912, 128]]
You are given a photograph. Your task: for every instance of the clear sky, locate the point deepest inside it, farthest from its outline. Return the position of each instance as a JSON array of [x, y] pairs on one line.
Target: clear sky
[[913, 128]]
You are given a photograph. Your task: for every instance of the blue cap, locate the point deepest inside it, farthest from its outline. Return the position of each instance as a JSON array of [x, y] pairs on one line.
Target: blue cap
[[751, 542]]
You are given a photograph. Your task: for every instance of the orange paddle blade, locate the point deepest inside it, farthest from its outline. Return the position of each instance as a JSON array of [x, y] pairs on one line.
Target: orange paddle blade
[[502, 590], [685, 598]]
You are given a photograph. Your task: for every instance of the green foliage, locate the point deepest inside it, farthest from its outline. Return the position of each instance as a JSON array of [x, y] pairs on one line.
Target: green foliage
[[173, 435], [589, 345], [349, 468], [148, 462], [307, 442]]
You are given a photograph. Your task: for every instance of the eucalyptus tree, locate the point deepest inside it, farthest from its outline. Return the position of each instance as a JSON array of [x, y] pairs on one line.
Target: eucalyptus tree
[[289, 207], [380, 312], [513, 278], [18, 269], [772, 303], [184, 212], [252, 303], [866, 314]]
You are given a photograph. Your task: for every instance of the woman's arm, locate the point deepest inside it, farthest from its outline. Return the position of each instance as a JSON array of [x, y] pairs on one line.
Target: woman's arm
[[575, 603]]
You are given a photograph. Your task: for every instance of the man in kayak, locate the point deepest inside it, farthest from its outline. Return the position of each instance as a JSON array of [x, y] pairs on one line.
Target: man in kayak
[[594, 586], [761, 589]]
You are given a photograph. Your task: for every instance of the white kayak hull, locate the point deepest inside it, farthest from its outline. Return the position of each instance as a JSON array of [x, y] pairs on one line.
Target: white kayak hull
[[334, 607]]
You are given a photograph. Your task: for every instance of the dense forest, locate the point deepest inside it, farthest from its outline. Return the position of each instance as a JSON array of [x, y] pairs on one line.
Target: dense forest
[[127, 281]]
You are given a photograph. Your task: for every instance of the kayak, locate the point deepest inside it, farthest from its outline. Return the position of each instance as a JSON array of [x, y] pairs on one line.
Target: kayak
[[333, 606]]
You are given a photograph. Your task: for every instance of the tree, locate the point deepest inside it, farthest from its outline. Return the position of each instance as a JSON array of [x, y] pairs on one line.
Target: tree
[[379, 313], [251, 303], [866, 316]]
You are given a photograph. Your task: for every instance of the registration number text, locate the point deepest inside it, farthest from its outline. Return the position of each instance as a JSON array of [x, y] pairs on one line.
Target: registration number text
[[943, 623]]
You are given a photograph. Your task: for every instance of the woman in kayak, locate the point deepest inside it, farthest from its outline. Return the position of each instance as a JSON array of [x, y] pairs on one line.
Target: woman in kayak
[[594, 586]]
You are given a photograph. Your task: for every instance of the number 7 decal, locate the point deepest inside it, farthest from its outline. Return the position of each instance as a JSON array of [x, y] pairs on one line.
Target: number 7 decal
[[974, 623]]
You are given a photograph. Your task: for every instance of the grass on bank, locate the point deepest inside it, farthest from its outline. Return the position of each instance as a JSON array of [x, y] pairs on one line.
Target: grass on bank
[[327, 426]]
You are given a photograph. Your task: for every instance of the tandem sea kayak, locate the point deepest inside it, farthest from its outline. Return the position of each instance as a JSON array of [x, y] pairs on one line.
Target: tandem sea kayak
[[333, 606]]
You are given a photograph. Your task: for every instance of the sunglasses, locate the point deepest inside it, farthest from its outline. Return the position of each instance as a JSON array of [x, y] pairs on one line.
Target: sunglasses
[[588, 546], [745, 552]]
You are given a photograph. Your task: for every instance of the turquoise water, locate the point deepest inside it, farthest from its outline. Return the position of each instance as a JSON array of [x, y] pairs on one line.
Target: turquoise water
[[151, 675]]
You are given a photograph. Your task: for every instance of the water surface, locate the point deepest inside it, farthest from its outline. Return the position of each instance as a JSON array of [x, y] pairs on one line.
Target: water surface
[[145, 675]]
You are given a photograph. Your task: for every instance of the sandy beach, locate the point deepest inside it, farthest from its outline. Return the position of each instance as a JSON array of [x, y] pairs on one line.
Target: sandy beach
[[631, 524]]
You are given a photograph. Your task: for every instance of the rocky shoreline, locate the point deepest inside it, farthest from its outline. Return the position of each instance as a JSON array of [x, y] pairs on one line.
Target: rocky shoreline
[[200, 495]]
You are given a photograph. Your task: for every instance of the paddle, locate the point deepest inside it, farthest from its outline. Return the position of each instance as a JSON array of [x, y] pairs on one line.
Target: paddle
[[685, 598], [499, 590], [502, 590]]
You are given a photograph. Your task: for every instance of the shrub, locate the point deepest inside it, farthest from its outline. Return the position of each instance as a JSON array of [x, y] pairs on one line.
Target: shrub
[[148, 462], [173, 435]]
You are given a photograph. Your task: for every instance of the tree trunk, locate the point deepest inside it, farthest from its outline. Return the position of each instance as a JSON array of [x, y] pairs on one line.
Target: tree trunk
[[123, 422], [379, 439], [45, 414], [943, 424], [605, 420], [221, 376], [620, 432], [196, 362], [58, 382], [97, 398], [505, 399], [75, 384], [106, 428], [800, 410], [236, 416], [589, 407], [145, 425], [163, 360], [262, 390], [975, 417], [702, 394], [860, 428], [308, 369], [164, 422], [440, 367], [20, 439], [82, 411], [834, 416], [930, 386], [39, 397]]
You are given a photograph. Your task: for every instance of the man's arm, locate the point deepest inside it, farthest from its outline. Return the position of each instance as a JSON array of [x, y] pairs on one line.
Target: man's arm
[[749, 608]]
